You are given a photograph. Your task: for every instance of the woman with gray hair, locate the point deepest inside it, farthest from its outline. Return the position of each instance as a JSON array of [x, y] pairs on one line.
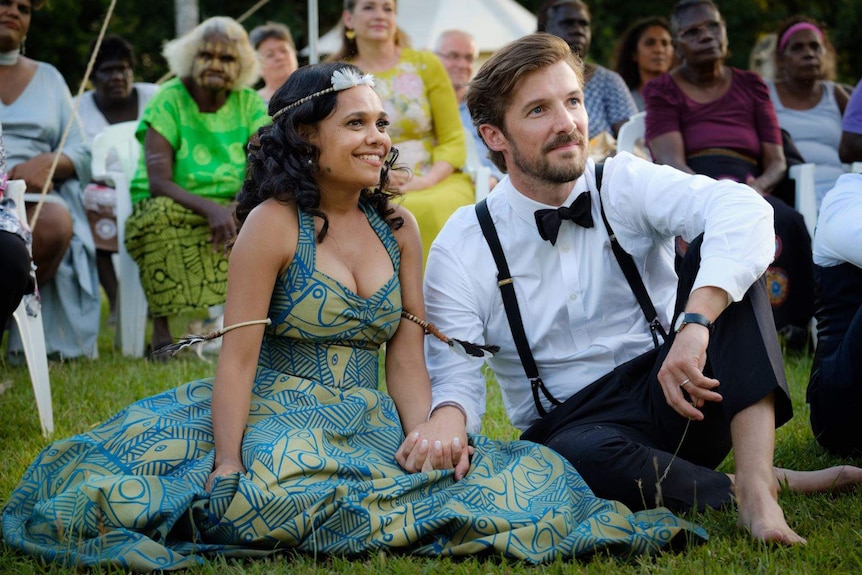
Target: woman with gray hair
[[193, 133], [277, 55]]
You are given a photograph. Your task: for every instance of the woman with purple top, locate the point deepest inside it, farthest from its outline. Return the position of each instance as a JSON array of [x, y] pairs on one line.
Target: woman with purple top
[[707, 118]]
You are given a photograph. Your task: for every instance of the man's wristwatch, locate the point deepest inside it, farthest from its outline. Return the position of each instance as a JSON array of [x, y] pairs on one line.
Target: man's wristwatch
[[685, 318]]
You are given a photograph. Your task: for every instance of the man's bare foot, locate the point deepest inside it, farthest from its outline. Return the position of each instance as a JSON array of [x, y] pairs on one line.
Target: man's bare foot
[[830, 479], [761, 516]]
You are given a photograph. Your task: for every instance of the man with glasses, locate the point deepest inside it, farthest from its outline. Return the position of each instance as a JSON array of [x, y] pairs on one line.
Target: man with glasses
[[459, 52]]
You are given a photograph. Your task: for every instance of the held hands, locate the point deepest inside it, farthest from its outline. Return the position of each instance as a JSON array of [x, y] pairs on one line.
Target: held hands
[[685, 387], [440, 443]]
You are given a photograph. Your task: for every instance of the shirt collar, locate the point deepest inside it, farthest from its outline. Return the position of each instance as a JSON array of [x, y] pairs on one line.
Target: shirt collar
[[526, 207]]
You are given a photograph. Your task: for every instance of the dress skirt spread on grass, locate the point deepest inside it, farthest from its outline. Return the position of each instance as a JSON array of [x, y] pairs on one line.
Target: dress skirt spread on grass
[[319, 452]]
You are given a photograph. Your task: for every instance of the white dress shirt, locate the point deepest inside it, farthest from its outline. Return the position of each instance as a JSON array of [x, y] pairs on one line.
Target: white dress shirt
[[580, 315], [838, 236]]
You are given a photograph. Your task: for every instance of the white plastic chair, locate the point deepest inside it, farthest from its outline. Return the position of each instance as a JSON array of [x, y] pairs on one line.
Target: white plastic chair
[[32, 334], [806, 195], [132, 302], [630, 132], [480, 173]]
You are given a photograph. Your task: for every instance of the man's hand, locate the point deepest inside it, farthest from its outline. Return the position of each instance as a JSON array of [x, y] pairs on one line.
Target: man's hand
[[440, 443], [681, 375]]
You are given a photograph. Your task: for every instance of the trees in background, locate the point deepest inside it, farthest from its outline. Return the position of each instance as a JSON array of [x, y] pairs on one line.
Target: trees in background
[[62, 30]]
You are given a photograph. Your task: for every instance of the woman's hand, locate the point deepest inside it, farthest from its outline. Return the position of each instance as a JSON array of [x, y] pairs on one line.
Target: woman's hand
[[34, 171], [757, 184], [439, 443], [399, 179], [221, 222], [227, 468]]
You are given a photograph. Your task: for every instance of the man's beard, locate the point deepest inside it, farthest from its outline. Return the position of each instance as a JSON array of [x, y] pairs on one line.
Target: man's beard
[[540, 168]]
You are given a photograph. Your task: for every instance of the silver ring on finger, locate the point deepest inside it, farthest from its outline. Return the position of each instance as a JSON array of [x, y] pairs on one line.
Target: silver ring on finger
[[685, 382]]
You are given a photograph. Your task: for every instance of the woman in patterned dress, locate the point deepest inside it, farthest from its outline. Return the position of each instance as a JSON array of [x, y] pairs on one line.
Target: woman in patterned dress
[[193, 132], [425, 123], [293, 445]]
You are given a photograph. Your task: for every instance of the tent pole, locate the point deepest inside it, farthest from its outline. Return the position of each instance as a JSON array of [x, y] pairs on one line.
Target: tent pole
[[313, 32]]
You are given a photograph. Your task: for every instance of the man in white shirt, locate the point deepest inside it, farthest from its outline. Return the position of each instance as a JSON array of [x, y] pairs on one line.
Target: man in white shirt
[[584, 324], [835, 387]]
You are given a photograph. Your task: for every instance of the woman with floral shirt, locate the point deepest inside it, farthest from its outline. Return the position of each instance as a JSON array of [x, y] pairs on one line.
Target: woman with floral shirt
[[425, 125], [16, 279]]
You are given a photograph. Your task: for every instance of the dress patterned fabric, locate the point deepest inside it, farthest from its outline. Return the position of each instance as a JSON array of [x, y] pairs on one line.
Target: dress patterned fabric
[[319, 449], [180, 270], [170, 243], [209, 149], [425, 126]]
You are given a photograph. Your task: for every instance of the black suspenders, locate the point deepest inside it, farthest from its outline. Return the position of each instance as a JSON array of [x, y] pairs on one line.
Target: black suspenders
[[510, 301]]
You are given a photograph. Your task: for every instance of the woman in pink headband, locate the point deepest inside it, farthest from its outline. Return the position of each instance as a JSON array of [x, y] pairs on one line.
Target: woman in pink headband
[[809, 105]]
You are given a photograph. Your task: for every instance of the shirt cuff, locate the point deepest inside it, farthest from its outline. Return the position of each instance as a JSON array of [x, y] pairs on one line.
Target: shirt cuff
[[448, 404]]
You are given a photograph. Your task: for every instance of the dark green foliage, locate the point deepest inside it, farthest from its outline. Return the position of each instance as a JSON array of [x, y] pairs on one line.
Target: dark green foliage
[[62, 30]]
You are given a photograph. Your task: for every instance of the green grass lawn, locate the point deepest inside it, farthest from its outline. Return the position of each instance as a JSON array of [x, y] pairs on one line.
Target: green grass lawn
[[87, 392]]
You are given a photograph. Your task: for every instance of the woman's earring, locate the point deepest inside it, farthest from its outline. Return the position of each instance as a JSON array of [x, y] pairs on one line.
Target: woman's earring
[[350, 34], [22, 47]]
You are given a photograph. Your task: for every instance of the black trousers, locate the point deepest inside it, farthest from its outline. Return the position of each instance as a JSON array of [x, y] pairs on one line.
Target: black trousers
[[15, 277], [621, 435], [835, 394]]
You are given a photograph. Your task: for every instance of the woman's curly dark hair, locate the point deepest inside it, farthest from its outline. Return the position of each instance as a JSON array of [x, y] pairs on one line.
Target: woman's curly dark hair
[[282, 164]]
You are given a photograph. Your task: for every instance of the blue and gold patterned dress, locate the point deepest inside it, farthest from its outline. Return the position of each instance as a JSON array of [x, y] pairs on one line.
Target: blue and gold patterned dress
[[319, 449]]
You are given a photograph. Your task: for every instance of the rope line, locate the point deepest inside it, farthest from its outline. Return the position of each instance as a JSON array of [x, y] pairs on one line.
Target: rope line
[[73, 117]]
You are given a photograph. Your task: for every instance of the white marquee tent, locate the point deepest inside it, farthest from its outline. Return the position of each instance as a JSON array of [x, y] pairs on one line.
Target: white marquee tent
[[494, 23]]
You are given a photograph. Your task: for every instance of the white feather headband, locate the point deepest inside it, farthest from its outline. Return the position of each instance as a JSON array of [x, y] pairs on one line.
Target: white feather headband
[[342, 79]]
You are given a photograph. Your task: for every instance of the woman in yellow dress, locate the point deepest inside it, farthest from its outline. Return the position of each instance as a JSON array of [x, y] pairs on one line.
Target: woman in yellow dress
[[422, 108]]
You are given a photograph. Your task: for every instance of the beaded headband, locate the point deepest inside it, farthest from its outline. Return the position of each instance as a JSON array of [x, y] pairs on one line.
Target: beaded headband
[[342, 79]]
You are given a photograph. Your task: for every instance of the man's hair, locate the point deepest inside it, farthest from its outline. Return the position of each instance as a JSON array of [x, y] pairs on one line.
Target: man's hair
[[269, 30], [444, 35], [684, 5], [544, 12], [490, 91]]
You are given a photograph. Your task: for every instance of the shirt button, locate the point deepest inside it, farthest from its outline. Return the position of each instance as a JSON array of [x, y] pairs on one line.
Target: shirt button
[[564, 249], [573, 296]]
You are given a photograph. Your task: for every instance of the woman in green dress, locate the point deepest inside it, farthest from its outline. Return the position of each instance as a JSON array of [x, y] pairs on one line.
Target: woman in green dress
[[292, 445], [194, 132]]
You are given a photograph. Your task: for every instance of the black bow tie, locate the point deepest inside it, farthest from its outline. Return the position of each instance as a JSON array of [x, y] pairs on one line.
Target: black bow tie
[[580, 212]]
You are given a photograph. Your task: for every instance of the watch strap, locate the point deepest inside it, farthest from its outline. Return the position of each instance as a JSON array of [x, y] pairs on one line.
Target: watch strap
[[690, 317]]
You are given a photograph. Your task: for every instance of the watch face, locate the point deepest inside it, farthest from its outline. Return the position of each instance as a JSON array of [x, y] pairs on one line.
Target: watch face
[[679, 321]]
